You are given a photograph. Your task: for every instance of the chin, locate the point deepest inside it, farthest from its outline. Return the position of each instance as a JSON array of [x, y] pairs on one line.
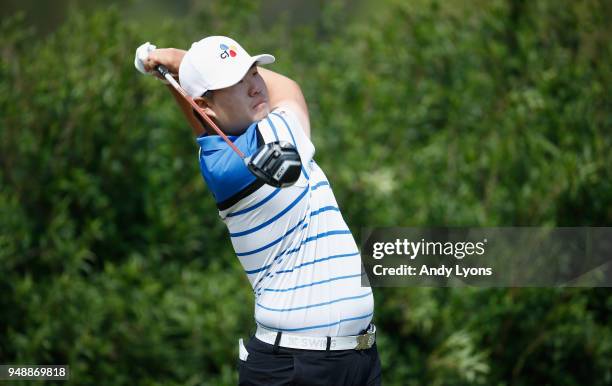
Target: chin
[[261, 113]]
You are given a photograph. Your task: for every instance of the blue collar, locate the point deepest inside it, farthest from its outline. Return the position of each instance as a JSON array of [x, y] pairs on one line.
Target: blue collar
[[215, 142]]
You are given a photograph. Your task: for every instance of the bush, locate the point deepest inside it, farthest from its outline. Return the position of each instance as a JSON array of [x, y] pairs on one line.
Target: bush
[[425, 113]]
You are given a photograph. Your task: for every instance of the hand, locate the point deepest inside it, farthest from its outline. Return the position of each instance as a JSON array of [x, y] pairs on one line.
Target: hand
[[148, 57], [142, 56], [166, 56]]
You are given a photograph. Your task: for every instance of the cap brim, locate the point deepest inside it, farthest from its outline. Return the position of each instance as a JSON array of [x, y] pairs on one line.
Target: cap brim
[[258, 59], [264, 59]]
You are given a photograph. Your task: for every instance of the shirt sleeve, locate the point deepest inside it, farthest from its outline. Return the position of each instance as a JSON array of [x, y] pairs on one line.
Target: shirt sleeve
[[286, 127], [223, 170]]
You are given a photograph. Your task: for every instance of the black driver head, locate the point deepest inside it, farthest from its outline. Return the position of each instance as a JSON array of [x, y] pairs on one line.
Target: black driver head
[[276, 163]]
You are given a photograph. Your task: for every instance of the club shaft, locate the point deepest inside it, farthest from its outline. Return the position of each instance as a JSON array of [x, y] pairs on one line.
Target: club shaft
[[166, 74]]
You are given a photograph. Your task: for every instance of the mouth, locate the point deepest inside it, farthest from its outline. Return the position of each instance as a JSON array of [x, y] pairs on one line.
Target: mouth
[[259, 104]]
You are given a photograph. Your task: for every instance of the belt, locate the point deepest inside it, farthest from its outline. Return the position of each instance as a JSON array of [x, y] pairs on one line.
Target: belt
[[351, 342]]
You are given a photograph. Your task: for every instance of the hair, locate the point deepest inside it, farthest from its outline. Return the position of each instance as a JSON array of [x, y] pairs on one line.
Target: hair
[[208, 94]]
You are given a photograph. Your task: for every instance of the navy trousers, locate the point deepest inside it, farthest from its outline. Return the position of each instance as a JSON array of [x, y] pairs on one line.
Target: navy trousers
[[275, 366]]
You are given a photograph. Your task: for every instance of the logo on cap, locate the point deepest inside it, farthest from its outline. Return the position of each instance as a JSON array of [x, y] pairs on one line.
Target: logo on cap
[[227, 52]]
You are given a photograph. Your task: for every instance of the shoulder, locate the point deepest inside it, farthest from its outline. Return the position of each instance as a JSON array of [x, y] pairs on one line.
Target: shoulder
[[283, 124], [223, 170], [213, 144], [296, 113]]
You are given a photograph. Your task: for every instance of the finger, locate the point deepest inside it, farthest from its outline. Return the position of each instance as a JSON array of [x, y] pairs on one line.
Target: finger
[[149, 64]]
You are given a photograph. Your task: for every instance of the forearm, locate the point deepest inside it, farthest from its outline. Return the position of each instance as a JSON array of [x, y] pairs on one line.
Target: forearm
[[187, 111], [171, 58], [284, 91]]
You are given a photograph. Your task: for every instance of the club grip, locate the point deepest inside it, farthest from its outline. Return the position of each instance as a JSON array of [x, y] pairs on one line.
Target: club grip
[[163, 70]]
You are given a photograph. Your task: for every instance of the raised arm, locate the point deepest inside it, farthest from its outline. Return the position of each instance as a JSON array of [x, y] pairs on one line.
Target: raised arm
[[171, 58], [283, 91]]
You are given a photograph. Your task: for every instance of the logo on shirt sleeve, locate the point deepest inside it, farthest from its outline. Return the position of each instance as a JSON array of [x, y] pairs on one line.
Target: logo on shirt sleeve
[[227, 52]]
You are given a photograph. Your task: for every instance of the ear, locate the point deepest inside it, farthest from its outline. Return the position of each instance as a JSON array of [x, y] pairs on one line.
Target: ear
[[206, 106]]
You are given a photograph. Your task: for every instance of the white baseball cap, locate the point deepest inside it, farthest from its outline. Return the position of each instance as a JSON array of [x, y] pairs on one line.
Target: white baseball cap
[[216, 62]]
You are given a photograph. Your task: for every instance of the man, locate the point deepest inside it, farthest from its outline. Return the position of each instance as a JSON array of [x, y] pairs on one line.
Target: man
[[312, 314]]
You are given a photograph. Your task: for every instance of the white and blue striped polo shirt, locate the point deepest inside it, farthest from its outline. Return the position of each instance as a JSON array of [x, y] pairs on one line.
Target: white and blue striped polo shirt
[[294, 245]]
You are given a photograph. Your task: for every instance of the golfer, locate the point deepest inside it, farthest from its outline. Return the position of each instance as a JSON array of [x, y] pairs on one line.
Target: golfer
[[313, 315]]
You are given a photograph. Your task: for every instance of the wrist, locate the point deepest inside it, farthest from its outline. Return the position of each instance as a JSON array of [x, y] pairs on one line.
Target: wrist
[[177, 58]]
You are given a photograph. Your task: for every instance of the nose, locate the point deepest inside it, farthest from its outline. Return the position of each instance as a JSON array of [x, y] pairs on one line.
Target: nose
[[254, 86], [254, 89]]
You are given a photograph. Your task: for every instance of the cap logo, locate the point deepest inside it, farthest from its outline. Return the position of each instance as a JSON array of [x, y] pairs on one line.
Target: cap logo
[[227, 52]]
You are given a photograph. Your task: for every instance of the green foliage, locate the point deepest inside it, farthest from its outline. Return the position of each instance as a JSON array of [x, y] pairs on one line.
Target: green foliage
[[487, 113]]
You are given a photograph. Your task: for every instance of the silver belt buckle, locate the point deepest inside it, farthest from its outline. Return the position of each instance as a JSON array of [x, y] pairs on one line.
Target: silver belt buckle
[[365, 341]]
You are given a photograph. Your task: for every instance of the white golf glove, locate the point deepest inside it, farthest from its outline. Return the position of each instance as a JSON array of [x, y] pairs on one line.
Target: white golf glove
[[142, 53]]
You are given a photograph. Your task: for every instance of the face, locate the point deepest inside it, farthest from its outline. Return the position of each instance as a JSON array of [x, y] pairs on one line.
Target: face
[[235, 108]]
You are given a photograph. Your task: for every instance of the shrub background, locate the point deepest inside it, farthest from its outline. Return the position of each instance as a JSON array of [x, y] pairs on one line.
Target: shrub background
[[424, 113]]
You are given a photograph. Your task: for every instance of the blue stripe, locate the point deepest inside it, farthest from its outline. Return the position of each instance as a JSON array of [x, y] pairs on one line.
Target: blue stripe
[[314, 305], [318, 326], [273, 260], [272, 242], [269, 265], [326, 234], [312, 284], [309, 239], [273, 128], [316, 212], [318, 261], [258, 269], [260, 203], [270, 221], [324, 209], [292, 138], [319, 184], [319, 236]]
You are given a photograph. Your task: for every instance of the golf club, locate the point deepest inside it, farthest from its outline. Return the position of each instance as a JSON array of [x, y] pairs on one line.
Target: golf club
[[276, 163]]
